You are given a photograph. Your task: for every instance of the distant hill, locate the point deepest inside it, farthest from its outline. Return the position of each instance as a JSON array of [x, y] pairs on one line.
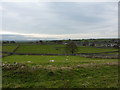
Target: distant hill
[[16, 37]]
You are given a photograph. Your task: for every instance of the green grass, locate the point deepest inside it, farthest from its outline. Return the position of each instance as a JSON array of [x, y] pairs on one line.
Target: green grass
[[8, 48], [95, 50], [76, 72], [52, 49], [90, 77], [44, 49], [64, 72], [58, 60], [59, 49], [3, 54]]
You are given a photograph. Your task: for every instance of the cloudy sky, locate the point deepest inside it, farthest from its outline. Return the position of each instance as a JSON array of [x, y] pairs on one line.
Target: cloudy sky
[[59, 20]]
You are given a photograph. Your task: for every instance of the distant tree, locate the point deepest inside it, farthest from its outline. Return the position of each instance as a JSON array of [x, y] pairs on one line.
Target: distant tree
[[116, 46], [92, 44], [3, 42], [71, 47], [12, 41], [41, 42], [37, 42], [69, 39], [7, 42], [84, 44], [59, 42]]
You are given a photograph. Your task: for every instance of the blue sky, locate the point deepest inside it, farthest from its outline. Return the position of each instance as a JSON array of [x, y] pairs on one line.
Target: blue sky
[[60, 20]]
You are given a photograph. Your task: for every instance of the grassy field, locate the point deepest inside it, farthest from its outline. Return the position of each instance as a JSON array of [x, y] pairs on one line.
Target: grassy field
[[64, 72], [95, 50], [58, 60], [35, 71], [87, 77], [53, 49], [44, 49], [8, 48], [3, 54]]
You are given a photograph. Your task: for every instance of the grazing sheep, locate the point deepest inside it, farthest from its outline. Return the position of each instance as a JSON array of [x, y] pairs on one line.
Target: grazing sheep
[[29, 61], [51, 60]]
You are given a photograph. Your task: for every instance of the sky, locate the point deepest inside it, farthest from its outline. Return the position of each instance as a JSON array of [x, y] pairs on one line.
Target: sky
[[58, 20]]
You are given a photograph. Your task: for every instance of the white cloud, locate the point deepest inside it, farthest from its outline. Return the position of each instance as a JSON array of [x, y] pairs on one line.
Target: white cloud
[[61, 20], [65, 36], [60, 0]]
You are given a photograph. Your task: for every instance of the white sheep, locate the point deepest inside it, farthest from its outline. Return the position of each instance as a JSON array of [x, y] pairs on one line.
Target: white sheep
[[52, 60], [29, 61]]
